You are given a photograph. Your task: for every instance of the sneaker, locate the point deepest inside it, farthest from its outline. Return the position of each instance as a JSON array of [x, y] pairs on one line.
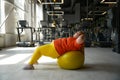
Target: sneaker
[[29, 67], [36, 62]]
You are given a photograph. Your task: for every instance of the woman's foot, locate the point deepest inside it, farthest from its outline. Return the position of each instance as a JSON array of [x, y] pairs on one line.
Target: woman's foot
[[29, 67], [36, 62]]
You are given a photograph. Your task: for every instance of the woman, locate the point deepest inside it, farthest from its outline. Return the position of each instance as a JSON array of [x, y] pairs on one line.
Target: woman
[[57, 48]]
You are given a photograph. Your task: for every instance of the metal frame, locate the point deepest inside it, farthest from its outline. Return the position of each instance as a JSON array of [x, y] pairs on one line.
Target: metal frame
[[45, 2]]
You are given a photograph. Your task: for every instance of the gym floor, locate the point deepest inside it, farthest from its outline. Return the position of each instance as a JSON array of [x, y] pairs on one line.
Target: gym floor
[[100, 64]]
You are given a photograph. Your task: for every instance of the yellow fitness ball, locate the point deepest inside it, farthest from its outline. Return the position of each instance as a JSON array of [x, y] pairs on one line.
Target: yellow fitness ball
[[71, 60]]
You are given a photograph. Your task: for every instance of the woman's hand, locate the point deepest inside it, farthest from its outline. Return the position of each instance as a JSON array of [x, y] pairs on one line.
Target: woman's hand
[[77, 34], [80, 39]]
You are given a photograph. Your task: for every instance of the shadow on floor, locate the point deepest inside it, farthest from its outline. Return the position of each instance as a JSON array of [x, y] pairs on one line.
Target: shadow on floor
[[112, 68]]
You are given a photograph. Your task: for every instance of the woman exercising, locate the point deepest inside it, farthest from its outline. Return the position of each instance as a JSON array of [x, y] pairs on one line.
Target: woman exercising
[[57, 48]]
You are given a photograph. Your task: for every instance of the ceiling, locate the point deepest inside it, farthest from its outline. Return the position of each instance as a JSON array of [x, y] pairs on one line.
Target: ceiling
[[87, 7]]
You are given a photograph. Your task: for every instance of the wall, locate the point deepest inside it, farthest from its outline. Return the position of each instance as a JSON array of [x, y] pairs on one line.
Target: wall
[[1, 40]]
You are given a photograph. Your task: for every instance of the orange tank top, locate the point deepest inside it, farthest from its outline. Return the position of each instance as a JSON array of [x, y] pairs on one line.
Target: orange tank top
[[63, 45]]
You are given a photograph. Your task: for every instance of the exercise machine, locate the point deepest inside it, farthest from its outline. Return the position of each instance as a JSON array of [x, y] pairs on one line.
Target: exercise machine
[[22, 25]]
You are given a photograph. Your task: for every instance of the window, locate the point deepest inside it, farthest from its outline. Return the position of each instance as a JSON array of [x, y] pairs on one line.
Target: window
[[19, 12], [2, 17], [19, 9], [0, 11]]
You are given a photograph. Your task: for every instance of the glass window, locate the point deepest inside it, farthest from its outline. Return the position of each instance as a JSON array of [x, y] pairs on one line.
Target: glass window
[[0, 11], [2, 17], [19, 9]]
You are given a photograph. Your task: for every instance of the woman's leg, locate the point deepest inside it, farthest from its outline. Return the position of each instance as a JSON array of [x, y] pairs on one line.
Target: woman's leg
[[46, 50], [36, 55]]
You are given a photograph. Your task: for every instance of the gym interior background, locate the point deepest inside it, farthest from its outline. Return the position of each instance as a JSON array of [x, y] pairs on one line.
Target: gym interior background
[[25, 24]]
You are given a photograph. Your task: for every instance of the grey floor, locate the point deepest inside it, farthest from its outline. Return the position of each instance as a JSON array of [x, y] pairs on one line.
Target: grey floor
[[100, 64]]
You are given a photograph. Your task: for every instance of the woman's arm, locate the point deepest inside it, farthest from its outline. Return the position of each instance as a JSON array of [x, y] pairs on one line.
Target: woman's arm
[[80, 39], [77, 34]]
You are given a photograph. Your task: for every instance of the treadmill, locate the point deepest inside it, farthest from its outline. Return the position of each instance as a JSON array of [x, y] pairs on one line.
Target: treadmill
[[22, 24]]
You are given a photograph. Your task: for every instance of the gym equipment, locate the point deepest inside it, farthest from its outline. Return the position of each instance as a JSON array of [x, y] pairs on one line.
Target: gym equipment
[[22, 24], [71, 60]]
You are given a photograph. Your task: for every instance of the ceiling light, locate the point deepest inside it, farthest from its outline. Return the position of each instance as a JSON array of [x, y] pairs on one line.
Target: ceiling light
[[51, 1], [87, 19], [52, 13], [108, 2], [97, 12], [57, 8]]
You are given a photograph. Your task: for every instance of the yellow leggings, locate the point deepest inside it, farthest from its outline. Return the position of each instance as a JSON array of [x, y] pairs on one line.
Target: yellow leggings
[[46, 50]]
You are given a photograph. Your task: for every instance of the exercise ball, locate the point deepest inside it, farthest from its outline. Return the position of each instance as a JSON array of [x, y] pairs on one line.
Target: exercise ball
[[71, 60]]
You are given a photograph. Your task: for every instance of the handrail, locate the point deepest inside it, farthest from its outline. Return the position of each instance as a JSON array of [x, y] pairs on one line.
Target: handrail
[[7, 17]]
